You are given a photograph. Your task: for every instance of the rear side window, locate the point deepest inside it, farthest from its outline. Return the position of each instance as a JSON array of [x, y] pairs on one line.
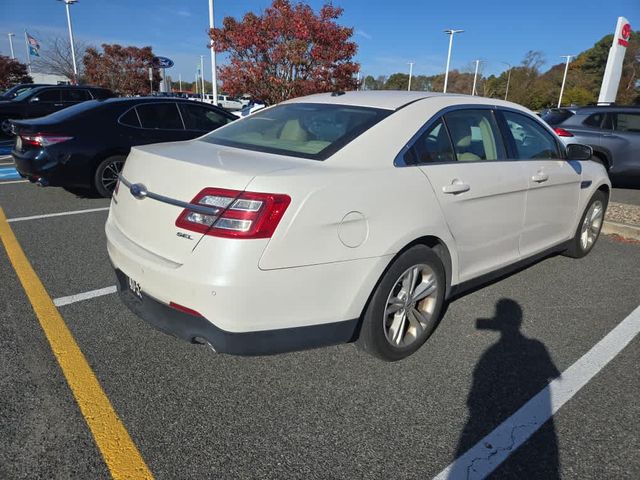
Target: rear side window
[[532, 141], [130, 119], [49, 96], [594, 120], [627, 122], [431, 146], [160, 116], [556, 116], [475, 135], [201, 118], [74, 95]]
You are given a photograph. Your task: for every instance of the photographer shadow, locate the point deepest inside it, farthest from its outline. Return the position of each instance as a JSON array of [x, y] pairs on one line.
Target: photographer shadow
[[508, 374]]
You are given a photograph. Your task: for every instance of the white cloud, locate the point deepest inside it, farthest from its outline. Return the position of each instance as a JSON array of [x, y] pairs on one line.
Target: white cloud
[[363, 34]]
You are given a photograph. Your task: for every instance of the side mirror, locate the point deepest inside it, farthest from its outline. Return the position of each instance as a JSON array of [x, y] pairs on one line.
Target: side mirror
[[577, 151]]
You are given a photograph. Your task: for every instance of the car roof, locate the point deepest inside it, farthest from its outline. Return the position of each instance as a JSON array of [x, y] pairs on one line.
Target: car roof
[[390, 99], [152, 99], [64, 87], [606, 108]]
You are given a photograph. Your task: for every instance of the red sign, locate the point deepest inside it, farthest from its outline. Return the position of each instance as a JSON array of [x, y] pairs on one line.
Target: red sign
[[625, 33]]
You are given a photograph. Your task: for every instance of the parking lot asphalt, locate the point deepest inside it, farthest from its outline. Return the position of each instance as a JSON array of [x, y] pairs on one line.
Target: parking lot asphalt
[[325, 413]]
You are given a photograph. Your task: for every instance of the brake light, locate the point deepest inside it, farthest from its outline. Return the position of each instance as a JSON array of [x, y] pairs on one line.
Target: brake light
[[561, 132], [42, 139], [236, 214]]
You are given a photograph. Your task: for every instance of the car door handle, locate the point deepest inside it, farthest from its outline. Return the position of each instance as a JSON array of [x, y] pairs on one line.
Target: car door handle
[[58, 104], [456, 187], [540, 177]]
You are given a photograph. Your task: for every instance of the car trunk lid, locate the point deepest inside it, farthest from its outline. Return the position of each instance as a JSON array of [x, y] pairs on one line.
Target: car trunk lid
[[159, 180]]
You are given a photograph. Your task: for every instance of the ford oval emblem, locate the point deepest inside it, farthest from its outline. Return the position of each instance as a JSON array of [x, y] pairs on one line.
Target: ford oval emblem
[[162, 62], [138, 190]]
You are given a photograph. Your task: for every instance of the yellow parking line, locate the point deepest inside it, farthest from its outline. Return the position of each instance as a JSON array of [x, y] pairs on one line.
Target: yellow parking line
[[118, 450]]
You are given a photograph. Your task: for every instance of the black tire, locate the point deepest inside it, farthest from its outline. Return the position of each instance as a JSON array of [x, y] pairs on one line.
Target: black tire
[[577, 247], [377, 325], [105, 176]]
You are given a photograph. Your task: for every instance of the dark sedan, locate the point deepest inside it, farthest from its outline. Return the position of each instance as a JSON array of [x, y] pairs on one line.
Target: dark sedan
[[41, 101], [85, 146]]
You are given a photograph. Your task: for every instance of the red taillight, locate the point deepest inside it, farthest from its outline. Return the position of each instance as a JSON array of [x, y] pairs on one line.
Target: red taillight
[[235, 214], [42, 139], [561, 132], [180, 308]]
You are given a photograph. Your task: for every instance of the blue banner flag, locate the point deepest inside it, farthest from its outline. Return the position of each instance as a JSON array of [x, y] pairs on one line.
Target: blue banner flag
[[34, 46]]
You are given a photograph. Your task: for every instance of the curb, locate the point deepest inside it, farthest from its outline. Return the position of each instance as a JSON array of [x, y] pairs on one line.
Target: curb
[[621, 229]]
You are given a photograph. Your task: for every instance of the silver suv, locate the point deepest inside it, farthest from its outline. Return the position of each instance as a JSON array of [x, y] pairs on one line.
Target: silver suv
[[612, 131]]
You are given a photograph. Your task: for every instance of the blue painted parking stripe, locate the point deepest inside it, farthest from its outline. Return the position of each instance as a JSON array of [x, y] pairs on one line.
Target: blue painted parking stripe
[[9, 173]]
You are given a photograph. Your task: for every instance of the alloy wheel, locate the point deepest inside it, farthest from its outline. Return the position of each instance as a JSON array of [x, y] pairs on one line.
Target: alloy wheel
[[409, 309], [110, 174], [591, 225]]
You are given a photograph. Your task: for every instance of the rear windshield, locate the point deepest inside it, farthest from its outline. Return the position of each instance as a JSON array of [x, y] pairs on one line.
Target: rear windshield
[[556, 117], [74, 110], [305, 130]]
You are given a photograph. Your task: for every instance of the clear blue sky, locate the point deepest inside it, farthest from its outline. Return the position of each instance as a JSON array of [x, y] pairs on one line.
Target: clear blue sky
[[389, 33]]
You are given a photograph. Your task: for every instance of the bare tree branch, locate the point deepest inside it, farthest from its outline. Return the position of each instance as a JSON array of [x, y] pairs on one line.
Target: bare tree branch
[[55, 57]]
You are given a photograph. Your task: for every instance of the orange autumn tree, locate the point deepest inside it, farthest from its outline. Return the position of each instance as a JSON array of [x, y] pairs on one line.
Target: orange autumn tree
[[122, 69], [12, 72], [286, 52]]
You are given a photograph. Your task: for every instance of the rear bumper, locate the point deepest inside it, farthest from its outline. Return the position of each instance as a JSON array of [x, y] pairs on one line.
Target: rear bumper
[[196, 329], [59, 170]]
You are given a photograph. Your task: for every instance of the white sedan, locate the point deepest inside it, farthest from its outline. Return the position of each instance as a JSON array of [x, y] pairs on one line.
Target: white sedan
[[344, 217]]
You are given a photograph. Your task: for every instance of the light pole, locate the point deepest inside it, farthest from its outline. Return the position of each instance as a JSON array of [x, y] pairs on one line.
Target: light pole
[[564, 77], [506, 92], [451, 33], [410, 74], [11, 44], [180, 81], [475, 77], [202, 75], [73, 50], [214, 79]]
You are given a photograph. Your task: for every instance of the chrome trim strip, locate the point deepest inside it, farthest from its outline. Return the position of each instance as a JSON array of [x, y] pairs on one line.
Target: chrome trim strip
[[172, 201]]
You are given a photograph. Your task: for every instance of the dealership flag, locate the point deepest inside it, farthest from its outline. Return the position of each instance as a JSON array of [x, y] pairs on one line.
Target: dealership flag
[[34, 46]]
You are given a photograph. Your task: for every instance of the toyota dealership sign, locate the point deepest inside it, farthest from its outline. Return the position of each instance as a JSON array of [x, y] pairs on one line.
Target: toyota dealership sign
[[613, 71]]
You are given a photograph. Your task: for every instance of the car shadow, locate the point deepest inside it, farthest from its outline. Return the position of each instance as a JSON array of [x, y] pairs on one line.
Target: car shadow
[[509, 373], [82, 192]]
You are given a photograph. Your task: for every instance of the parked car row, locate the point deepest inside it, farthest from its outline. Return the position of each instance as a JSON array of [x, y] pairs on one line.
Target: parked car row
[[44, 100]]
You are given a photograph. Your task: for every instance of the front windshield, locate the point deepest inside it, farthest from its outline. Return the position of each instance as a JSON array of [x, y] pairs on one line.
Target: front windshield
[[306, 130]]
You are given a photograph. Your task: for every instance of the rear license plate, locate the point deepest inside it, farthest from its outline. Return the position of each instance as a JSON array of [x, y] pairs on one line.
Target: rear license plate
[[18, 143], [134, 287]]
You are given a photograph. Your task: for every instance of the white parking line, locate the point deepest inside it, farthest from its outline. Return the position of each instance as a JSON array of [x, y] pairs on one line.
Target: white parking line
[[13, 181], [9, 164], [59, 214], [79, 297], [486, 455]]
